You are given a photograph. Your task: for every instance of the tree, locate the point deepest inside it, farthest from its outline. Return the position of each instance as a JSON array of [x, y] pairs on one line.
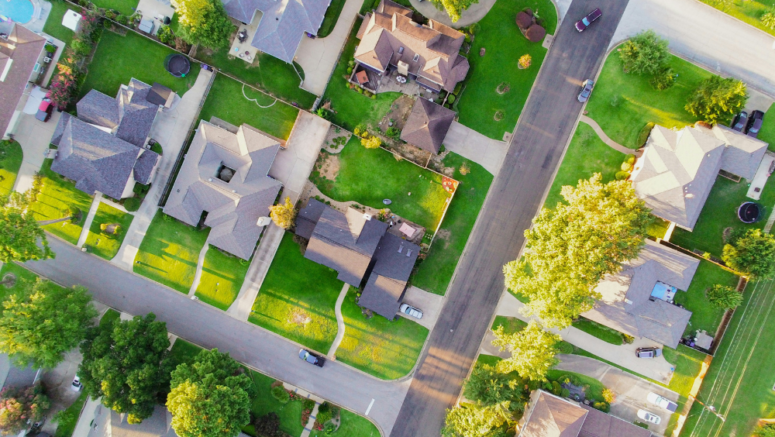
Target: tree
[[768, 19], [203, 22], [752, 253], [40, 323], [210, 397], [645, 53], [283, 215], [126, 363], [572, 247], [371, 142], [717, 99], [724, 297], [268, 425], [532, 351], [767, 430], [454, 8], [20, 232], [489, 387], [473, 421], [20, 407], [525, 61], [609, 395]]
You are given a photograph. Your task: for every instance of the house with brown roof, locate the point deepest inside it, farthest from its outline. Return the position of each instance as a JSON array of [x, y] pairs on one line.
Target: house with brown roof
[[427, 125], [21, 54], [390, 40]]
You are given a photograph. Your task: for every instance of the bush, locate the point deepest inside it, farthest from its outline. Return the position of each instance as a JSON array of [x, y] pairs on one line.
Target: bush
[[621, 175], [663, 80], [165, 35], [717, 99], [122, 19], [111, 14], [308, 404], [644, 133], [349, 71], [556, 388], [525, 61], [602, 406], [616, 101], [627, 339], [371, 143], [268, 425], [329, 428], [626, 166], [645, 53], [393, 132], [280, 394], [609, 395], [451, 98], [565, 393], [768, 20], [630, 159], [323, 113], [132, 204], [724, 297]]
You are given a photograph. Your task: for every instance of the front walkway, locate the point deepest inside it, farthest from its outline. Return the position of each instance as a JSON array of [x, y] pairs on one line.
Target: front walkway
[[339, 322], [198, 275], [318, 56], [609, 142], [89, 219], [472, 145]]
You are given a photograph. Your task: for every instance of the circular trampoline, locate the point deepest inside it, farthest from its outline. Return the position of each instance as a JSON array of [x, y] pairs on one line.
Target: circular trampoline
[[749, 212], [177, 65]]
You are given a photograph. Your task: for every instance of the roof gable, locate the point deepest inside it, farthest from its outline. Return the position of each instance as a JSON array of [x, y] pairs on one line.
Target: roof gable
[[427, 125], [551, 416]]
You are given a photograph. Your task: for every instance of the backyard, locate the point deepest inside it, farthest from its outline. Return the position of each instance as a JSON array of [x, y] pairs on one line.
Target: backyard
[[380, 347], [747, 11], [10, 161], [222, 277], [622, 104], [704, 315], [297, 298], [54, 25], [169, 252], [56, 198], [227, 100], [368, 176], [101, 243], [480, 100]]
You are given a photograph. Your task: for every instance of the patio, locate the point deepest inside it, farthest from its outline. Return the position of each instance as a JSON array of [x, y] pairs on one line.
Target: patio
[[240, 46], [388, 83], [155, 11]]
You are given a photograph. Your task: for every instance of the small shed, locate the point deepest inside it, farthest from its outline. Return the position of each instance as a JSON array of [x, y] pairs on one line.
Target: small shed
[[71, 20]]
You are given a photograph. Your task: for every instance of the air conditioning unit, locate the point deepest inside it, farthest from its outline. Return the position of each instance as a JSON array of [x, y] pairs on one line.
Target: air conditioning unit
[[367, 216]]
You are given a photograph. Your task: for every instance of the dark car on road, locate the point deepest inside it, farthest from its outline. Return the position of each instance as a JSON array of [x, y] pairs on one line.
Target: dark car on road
[[44, 110], [589, 19], [740, 121], [586, 90], [755, 123], [312, 358], [648, 352]]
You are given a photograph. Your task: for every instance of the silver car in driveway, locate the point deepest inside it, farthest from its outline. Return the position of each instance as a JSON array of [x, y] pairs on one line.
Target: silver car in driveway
[[649, 417], [659, 401], [410, 311], [586, 90]]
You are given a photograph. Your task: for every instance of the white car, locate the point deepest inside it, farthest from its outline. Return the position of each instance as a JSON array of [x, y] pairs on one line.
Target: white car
[[649, 417], [411, 311], [659, 401], [76, 385]]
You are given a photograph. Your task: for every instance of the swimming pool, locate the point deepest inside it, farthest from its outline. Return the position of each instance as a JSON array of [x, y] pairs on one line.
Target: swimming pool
[[660, 291], [19, 11]]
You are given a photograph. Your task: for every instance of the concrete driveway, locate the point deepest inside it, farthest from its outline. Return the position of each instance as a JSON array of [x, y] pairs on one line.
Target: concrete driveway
[[34, 136], [472, 145], [430, 304]]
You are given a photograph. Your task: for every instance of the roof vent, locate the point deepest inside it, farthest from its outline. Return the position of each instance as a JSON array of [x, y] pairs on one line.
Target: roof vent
[[400, 50], [209, 179], [233, 191], [628, 301], [409, 253], [367, 216]]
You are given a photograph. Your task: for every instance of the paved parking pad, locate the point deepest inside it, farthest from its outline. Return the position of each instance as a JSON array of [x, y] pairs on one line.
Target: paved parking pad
[[429, 303]]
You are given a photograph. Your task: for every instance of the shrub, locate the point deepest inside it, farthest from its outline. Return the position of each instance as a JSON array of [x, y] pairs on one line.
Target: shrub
[[664, 79], [556, 388], [280, 394], [645, 53], [393, 132], [371, 143], [110, 13], [724, 297], [165, 35], [616, 101], [132, 204], [628, 339], [122, 19], [630, 159], [525, 61], [268, 425], [323, 113], [308, 404], [609, 395], [717, 99], [565, 393], [349, 71], [329, 428], [768, 20], [621, 175], [626, 166], [602, 406], [451, 98]]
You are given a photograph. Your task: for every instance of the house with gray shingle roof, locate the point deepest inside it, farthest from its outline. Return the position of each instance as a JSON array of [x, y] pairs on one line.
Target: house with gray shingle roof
[[281, 23], [224, 184], [678, 168], [21, 51], [427, 125]]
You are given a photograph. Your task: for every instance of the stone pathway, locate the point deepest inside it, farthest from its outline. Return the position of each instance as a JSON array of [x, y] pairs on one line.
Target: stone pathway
[[599, 131], [89, 219], [198, 275], [311, 421], [339, 323], [307, 395]]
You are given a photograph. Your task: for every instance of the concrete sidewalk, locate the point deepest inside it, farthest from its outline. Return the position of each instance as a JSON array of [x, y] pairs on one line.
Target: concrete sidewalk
[[89, 219], [339, 322], [609, 142]]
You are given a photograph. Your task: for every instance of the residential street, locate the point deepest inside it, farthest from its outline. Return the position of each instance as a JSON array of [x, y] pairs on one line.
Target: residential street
[[535, 151]]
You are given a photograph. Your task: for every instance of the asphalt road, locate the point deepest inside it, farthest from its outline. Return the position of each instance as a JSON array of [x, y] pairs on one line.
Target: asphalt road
[[515, 196]]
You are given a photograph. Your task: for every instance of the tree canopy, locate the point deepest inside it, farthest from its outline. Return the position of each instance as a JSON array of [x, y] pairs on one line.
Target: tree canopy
[[212, 396], [126, 363], [724, 297], [20, 407], [644, 53], [752, 253], [487, 386], [532, 351], [20, 232], [454, 8], [283, 214], [203, 22], [43, 321], [717, 99], [473, 421]]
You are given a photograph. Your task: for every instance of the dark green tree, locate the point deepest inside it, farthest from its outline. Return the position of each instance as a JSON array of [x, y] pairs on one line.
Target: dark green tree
[[752, 253], [767, 430], [489, 387], [203, 22], [644, 53], [20, 233], [717, 99], [724, 297]]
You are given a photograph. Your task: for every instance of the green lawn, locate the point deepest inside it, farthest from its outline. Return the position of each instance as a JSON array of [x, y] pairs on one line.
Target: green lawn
[[24, 279], [767, 134], [748, 11], [297, 298], [510, 324], [222, 277], [68, 418], [352, 425], [380, 347], [332, 16], [54, 25], [102, 244], [638, 103], [368, 176], [271, 74], [169, 252], [504, 45], [595, 390], [719, 213], [436, 270], [121, 58], [126, 7], [109, 317], [227, 102], [56, 196], [704, 315], [587, 154], [595, 329], [10, 161]]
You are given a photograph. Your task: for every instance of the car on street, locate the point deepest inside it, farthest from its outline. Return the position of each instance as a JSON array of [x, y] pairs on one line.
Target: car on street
[[590, 18], [44, 110], [410, 311], [740, 121], [311, 358], [649, 417], [586, 90], [755, 123], [660, 401], [76, 384], [648, 352]]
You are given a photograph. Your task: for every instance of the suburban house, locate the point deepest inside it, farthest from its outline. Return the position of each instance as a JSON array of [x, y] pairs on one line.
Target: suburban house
[[678, 168], [106, 147], [427, 125], [430, 53], [362, 251], [224, 184], [21, 57], [638, 301], [548, 415], [281, 24]]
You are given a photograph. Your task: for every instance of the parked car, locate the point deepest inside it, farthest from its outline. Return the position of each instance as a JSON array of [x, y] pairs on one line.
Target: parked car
[[76, 385], [589, 19], [740, 121], [411, 311], [659, 401], [586, 90], [45, 110], [311, 358], [755, 123], [648, 352], [649, 417]]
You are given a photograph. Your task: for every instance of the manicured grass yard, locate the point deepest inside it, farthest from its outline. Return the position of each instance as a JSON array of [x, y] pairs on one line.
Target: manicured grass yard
[[222, 277], [169, 252], [437, 269], [602, 332], [56, 196], [704, 315], [719, 213], [100, 243], [332, 16], [504, 44], [595, 390], [24, 279], [121, 58], [54, 25], [297, 298], [767, 133], [748, 11], [126, 7], [510, 324], [638, 103], [10, 161], [380, 347], [352, 425], [227, 102], [368, 176]]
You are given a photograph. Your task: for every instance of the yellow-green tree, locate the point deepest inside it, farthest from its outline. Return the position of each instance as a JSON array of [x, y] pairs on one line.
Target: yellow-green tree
[[203, 22], [532, 351], [283, 214], [371, 142]]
